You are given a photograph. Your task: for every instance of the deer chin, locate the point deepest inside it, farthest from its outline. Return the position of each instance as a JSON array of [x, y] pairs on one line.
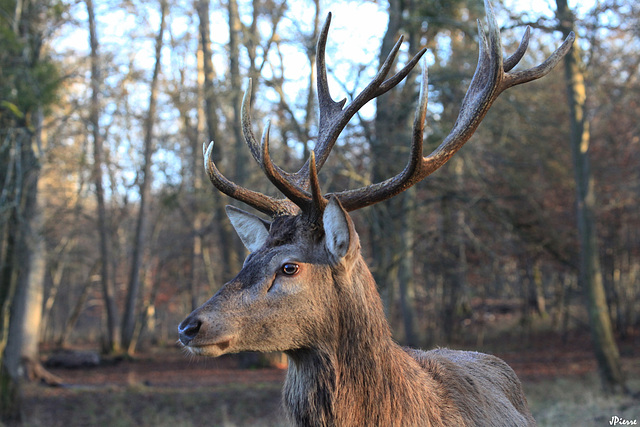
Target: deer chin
[[218, 348]]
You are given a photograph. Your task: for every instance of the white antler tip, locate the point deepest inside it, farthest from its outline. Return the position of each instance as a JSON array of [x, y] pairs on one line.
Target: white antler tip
[[206, 152], [265, 139]]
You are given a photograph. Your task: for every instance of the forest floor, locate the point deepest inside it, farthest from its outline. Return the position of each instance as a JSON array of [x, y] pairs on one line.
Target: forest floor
[[164, 387]]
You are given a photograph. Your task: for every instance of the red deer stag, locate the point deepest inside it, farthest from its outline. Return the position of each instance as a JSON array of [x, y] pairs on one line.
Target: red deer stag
[[305, 290]]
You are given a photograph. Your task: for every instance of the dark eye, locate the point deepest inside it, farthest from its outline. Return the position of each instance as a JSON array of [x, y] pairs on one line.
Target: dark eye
[[290, 269]]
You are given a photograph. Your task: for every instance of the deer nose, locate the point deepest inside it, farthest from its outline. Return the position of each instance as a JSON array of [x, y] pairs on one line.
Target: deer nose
[[188, 330]]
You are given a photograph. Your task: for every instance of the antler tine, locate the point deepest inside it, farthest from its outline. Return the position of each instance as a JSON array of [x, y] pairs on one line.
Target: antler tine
[[513, 60], [543, 69], [332, 117], [327, 106], [309, 203], [489, 80], [265, 204], [245, 119], [250, 139], [294, 193], [318, 200]]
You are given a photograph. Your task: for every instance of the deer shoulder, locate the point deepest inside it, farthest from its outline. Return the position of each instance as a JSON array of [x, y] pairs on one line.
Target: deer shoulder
[[478, 383]]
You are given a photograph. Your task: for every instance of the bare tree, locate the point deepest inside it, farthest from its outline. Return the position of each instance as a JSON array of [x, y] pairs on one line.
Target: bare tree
[[211, 105], [112, 342], [139, 244], [604, 344], [30, 81]]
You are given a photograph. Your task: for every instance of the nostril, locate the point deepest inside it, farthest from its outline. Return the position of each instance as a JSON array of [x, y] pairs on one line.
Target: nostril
[[188, 330]]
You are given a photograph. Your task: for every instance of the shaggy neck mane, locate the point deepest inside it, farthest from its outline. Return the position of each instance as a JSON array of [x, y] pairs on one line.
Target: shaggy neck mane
[[361, 376]]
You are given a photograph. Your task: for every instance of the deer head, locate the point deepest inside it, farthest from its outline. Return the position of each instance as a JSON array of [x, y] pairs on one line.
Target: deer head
[[279, 301], [304, 270]]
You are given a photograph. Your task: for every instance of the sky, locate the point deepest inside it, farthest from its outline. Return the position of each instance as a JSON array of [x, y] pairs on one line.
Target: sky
[[357, 28]]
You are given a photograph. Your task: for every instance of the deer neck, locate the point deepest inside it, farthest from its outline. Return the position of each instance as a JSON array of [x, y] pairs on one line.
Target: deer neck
[[325, 384]]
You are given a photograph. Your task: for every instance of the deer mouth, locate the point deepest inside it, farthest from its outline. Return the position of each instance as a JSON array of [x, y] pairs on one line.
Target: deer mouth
[[215, 349], [223, 345]]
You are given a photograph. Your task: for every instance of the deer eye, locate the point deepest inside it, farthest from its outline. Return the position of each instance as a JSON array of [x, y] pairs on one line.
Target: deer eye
[[290, 269]]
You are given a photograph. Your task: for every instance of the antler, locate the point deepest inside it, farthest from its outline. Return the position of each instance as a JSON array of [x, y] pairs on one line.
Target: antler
[[333, 120], [491, 78]]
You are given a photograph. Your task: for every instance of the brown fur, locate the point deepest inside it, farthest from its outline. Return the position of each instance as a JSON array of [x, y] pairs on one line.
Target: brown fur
[[367, 379]]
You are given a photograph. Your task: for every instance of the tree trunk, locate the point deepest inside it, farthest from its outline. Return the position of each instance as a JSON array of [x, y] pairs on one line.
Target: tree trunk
[[71, 321], [112, 341], [196, 171], [57, 273], [20, 349], [392, 223], [193, 174], [210, 97], [22, 248], [9, 387], [235, 29], [604, 344], [229, 261], [129, 319], [309, 112], [405, 274], [26, 310], [384, 159], [22, 187], [453, 252], [234, 247]]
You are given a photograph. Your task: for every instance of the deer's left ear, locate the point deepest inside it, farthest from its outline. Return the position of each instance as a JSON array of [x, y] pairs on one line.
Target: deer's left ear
[[340, 234], [253, 230]]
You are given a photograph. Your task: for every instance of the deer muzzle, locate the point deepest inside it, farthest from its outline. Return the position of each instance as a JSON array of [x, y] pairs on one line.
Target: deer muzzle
[[199, 338]]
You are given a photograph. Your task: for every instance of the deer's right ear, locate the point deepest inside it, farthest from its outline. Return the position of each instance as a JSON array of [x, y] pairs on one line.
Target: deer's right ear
[[252, 230]]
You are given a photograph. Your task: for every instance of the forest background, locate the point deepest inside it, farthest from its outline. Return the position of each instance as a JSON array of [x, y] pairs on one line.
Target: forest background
[[111, 234]]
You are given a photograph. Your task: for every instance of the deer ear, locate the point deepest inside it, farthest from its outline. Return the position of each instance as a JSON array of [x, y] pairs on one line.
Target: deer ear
[[338, 228], [252, 230]]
